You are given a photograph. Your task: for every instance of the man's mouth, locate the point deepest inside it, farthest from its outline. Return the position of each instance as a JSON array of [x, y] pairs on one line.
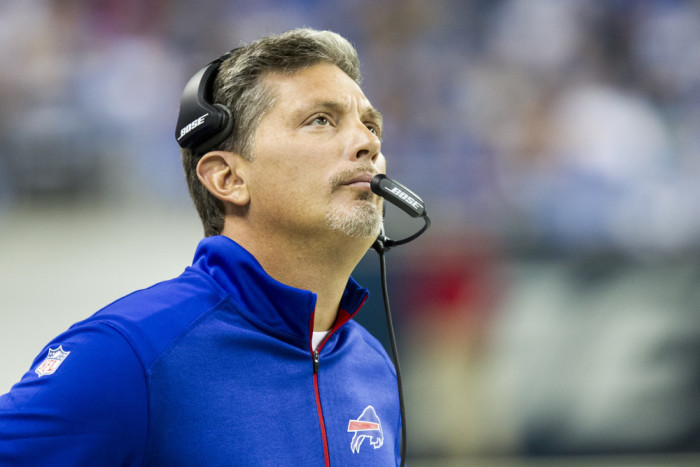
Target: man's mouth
[[361, 181]]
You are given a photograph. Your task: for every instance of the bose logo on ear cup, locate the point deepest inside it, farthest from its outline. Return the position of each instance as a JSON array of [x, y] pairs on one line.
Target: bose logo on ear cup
[[192, 125], [202, 124]]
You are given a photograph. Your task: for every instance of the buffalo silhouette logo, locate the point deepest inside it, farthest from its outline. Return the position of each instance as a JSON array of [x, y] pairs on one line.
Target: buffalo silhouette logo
[[367, 426]]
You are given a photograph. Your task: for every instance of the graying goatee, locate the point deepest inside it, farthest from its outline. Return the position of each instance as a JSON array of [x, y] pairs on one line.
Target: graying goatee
[[361, 220]]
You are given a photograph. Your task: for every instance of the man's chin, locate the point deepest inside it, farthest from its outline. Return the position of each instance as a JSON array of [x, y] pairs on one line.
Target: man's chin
[[363, 220]]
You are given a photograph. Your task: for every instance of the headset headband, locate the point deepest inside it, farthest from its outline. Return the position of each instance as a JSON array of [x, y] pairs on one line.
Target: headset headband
[[201, 124]]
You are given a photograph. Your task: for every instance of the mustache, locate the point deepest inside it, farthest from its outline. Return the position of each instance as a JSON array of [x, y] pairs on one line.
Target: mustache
[[347, 176]]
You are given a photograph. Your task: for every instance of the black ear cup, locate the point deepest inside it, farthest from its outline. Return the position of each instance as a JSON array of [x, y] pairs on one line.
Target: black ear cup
[[201, 124]]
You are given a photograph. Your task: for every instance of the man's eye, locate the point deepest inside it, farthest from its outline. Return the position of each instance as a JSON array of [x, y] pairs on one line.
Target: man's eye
[[373, 128], [320, 121]]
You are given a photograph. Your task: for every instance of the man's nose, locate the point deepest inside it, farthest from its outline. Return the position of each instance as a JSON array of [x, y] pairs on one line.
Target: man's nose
[[368, 144]]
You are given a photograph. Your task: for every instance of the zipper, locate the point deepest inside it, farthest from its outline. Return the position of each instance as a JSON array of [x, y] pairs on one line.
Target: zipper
[[342, 318], [326, 454]]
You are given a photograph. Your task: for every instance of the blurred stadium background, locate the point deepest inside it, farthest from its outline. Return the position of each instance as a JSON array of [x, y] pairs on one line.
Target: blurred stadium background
[[551, 315]]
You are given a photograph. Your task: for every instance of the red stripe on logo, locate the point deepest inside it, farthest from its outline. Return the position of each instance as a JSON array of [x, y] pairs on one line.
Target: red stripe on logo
[[357, 425]]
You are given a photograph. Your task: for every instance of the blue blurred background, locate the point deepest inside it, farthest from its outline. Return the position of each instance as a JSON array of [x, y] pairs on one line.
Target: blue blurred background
[[552, 311]]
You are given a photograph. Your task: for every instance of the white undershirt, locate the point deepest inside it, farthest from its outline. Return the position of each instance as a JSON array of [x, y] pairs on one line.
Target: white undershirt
[[317, 338]]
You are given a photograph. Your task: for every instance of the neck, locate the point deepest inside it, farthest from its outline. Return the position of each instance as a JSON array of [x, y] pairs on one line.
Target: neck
[[322, 267]]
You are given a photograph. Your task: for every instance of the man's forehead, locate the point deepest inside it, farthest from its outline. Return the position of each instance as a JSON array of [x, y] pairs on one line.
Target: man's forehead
[[322, 84], [343, 104]]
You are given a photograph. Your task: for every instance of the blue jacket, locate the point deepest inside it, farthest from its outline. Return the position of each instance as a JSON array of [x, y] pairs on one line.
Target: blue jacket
[[214, 367]]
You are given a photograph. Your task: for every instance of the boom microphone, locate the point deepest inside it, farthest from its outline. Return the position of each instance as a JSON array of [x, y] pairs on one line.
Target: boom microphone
[[404, 199], [398, 195]]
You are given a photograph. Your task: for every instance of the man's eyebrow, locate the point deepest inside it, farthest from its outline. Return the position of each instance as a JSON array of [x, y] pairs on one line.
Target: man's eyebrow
[[374, 115], [331, 105], [368, 112]]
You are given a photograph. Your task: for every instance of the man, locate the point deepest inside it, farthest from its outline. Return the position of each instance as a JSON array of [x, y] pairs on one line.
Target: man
[[250, 357]]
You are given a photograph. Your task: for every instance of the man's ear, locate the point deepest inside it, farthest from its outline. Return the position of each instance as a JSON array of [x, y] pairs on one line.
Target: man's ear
[[223, 174]]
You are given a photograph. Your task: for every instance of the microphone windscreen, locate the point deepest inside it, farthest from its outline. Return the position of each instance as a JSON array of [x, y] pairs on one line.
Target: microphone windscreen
[[398, 195]]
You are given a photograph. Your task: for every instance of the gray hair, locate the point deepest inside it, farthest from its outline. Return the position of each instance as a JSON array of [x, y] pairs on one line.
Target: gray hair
[[239, 86]]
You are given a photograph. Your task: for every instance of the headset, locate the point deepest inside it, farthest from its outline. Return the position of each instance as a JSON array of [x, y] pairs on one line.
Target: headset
[[203, 124]]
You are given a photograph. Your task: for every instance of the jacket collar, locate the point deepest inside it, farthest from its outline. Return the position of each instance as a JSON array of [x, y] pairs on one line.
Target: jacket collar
[[279, 309]]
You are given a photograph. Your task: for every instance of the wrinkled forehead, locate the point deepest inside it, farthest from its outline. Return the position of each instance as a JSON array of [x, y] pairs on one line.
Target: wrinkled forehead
[[320, 85]]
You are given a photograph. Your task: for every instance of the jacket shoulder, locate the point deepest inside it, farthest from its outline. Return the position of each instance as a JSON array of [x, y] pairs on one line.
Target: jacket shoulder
[[372, 343], [150, 319]]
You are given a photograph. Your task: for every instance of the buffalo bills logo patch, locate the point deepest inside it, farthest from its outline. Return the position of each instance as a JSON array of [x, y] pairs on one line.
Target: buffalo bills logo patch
[[367, 426], [52, 361]]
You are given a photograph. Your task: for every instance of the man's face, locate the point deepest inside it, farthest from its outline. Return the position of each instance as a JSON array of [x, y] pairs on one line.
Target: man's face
[[314, 153]]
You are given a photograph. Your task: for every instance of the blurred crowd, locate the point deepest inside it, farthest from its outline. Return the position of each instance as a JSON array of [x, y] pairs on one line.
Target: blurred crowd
[[554, 124], [553, 307]]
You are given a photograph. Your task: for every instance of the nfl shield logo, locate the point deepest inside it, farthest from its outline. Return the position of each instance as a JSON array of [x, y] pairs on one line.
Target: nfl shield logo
[[52, 361]]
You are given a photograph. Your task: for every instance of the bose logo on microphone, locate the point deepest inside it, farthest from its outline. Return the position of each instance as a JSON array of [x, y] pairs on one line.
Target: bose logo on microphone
[[191, 126], [408, 199]]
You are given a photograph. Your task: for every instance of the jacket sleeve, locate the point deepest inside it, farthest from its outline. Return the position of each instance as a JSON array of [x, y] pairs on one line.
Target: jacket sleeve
[[83, 402]]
